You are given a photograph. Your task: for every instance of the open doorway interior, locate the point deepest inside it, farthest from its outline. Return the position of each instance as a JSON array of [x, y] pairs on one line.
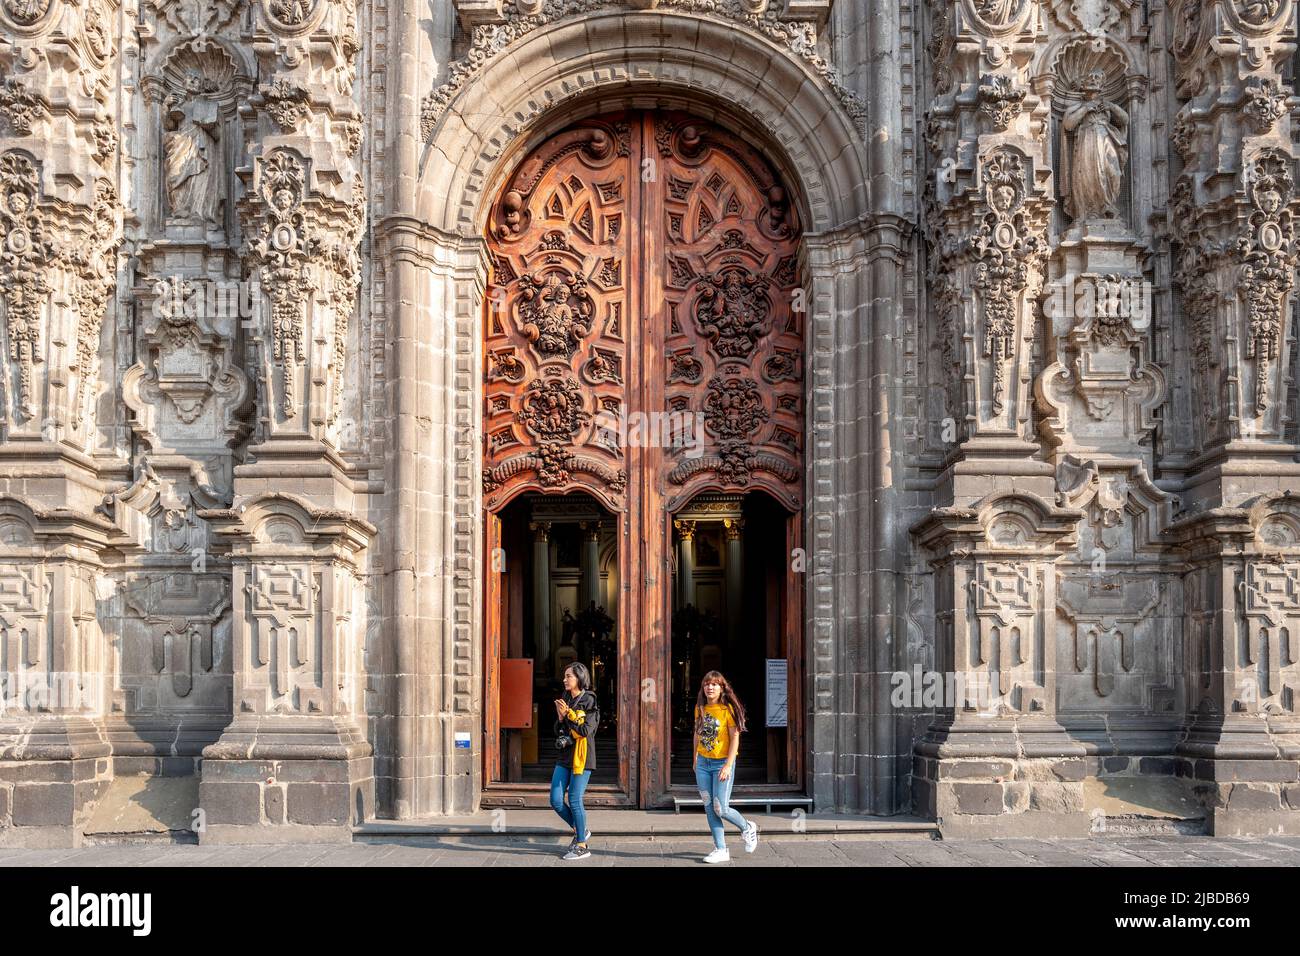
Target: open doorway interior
[[728, 614], [559, 606]]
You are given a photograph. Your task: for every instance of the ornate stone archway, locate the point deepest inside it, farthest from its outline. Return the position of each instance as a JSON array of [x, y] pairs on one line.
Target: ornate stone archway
[[530, 83]]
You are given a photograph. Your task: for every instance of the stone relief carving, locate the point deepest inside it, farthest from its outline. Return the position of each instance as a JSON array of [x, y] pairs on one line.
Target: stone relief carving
[[734, 408], [1271, 599], [29, 262], [1095, 17], [287, 102], [295, 571], [94, 264], [796, 38], [24, 256], [1266, 103], [27, 12], [194, 17], [283, 249], [19, 106], [1008, 249], [290, 13], [181, 611], [1001, 100], [553, 410], [189, 342], [1268, 263], [1106, 612]]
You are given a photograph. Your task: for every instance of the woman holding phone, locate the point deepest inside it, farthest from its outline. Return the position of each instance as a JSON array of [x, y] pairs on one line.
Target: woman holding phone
[[576, 719], [719, 722]]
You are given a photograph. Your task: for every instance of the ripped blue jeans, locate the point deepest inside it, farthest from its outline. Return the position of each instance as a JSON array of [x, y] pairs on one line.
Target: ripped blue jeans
[[716, 795]]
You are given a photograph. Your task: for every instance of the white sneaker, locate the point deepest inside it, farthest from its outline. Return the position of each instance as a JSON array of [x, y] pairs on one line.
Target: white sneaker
[[719, 856], [750, 833]]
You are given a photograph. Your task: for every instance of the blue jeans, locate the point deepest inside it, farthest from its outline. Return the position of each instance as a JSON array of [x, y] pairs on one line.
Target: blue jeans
[[717, 797], [574, 814]]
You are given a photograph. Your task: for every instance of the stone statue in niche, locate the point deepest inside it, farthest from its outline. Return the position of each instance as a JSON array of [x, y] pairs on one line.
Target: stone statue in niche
[[193, 165], [1093, 168]]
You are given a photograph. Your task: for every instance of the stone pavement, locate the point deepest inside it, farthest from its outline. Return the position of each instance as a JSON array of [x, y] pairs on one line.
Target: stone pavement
[[505, 850]]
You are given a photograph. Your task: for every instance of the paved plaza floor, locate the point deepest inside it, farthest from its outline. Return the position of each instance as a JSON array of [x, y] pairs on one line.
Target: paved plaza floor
[[809, 850]]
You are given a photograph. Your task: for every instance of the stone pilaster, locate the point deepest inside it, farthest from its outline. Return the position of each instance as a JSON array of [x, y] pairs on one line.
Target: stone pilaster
[[996, 750], [1233, 213], [294, 764]]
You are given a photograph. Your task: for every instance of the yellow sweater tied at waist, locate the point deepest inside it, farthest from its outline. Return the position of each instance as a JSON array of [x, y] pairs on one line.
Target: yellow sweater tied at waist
[[579, 717]]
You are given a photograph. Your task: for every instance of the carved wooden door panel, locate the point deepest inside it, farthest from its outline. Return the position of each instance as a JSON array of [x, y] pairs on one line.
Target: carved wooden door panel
[[642, 264], [557, 314], [721, 271], [731, 320]]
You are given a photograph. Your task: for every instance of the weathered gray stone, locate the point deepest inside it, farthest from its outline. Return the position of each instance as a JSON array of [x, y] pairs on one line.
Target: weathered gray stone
[[36, 805], [273, 803], [976, 461], [978, 797], [1056, 797], [975, 769], [1251, 797], [233, 803], [314, 804]]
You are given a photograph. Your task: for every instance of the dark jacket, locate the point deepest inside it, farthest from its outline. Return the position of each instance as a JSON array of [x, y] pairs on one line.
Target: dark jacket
[[585, 702]]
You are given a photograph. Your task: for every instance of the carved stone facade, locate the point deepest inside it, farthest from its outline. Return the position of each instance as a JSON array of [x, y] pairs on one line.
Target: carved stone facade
[[997, 296]]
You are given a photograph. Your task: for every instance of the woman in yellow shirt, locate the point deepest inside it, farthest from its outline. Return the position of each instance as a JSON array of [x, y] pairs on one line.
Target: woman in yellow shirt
[[719, 722]]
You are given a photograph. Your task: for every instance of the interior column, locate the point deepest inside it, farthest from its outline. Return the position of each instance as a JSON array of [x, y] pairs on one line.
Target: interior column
[[686, 561], [541, 596], [590, 565], [735, 577]]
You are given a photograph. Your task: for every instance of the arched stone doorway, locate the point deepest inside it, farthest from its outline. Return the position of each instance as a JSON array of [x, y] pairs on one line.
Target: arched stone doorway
[[644, 340], [854, 244]]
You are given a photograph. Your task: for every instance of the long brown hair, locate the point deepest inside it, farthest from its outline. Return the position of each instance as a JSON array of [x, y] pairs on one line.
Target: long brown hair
[[727, 697]]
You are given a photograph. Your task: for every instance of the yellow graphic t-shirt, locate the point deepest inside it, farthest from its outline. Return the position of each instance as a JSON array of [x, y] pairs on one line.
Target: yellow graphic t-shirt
[[715, 731]]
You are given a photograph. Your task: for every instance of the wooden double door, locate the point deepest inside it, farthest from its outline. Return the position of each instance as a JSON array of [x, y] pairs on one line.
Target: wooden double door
[[643, 348]]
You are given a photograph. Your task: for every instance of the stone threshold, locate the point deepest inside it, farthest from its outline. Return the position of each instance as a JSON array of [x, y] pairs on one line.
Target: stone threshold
[[531, 822]]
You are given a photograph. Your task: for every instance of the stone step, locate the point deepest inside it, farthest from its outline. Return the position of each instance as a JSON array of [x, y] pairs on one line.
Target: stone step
[[543, 824]]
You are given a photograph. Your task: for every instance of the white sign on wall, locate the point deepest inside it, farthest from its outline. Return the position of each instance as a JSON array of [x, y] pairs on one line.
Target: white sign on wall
[[777, 692]]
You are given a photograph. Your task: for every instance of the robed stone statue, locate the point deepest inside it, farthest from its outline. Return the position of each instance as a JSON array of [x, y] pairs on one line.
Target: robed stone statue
[[193, 165], [1093, 167]]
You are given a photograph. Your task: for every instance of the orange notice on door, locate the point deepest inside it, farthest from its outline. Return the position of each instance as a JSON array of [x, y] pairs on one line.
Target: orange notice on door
[[516, 692]]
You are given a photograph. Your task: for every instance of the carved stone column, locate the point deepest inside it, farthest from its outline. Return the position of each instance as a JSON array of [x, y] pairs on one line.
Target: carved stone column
[[1233, 213], [60, 231], [995, 530], [301, 215], [541, 597], [735, 580]]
